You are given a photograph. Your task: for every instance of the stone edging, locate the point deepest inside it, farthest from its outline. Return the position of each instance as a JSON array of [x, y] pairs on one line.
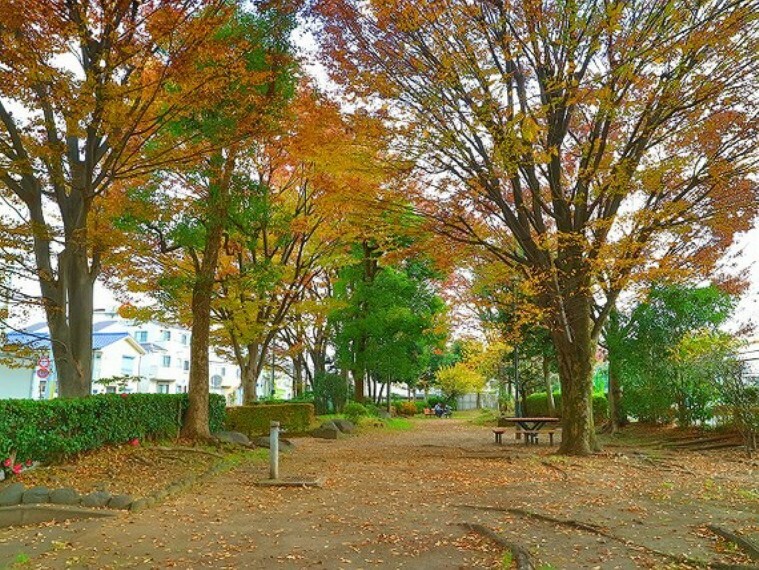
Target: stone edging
[[20, 505], [16, 494]]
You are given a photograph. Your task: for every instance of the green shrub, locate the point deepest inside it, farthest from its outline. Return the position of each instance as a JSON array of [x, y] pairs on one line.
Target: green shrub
[[353, 411], [420, 405], [44, 430], [330, 393], [537, 406], [254, 420]]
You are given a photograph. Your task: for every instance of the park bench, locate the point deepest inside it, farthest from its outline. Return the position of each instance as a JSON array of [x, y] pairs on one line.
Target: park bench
[[531, 436], [498, 433], [429, 412]]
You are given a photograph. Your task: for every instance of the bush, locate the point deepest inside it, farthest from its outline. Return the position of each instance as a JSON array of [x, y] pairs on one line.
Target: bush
[[330, 393], [420, 406], [254, 420], [537, 406], [44, 430], [353, 411], [405, 408]]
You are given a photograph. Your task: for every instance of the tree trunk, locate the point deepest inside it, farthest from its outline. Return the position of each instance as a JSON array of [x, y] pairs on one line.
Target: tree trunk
[[250, 373], [196, 420], [549, 388], [297, 375], [68, 299], [254, 366], [575, 349]]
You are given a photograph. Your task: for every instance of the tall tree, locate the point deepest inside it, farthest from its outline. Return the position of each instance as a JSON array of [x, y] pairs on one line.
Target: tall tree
[[291, 225], [188, 209], [604, 139], [655, 349], [86, 89], [387, 322]]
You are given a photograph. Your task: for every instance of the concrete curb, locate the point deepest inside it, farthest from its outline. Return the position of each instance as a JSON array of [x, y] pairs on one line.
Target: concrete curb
[[17, 515]]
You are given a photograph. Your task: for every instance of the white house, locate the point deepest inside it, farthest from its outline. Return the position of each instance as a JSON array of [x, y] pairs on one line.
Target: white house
[[30, 372], [165, 368], [155, 356]]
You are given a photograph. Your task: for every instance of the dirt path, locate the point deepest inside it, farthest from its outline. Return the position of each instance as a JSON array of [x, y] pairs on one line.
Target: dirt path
[[397, 500]]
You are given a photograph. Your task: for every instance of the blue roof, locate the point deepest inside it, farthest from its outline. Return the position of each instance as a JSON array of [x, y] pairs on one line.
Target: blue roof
[[41, 341]]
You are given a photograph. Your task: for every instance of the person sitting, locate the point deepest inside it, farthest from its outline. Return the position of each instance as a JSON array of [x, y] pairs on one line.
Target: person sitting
[[438, 410], [447, 412]]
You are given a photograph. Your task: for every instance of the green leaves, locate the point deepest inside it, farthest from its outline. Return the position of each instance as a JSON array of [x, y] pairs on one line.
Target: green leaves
[[51, 429], [669, 352], [388, 323]]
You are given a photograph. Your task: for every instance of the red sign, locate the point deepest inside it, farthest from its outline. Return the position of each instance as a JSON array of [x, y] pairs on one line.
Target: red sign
[[43, 362], [43, 373]]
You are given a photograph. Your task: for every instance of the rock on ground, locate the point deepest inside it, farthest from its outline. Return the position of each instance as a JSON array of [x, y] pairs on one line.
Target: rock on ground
[[284, 444], [36, 495], [11, 495], [120, 502], [96, 499], [232, 437], [65, 496], [344, 426]]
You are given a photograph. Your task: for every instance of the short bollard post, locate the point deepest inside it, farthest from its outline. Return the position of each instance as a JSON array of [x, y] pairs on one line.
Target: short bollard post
[[274, 450]]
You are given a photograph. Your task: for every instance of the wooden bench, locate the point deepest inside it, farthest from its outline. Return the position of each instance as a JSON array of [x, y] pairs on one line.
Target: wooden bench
[[429, 412], [531, 436], [498, 433]]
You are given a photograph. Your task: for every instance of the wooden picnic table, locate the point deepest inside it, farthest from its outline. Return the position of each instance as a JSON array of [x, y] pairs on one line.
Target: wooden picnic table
[[531, 427]]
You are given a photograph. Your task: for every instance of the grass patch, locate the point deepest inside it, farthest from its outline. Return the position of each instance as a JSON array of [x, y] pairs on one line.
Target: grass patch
[[481, 417], [390, 424], [21, 560]]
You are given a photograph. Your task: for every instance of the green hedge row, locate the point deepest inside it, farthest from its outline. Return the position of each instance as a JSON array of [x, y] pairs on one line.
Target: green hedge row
[[44, 430], [254, 420], [537, 406]]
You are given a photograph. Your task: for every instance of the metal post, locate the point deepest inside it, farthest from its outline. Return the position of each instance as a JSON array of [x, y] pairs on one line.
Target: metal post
[[517, 401], [274, 450]]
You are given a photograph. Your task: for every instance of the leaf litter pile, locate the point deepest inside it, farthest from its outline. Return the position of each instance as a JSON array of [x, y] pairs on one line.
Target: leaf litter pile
[[441, 495], [133, 470]]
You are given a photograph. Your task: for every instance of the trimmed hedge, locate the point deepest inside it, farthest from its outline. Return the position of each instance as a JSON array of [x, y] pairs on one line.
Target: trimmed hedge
[[254, 420], [44, 430], [537, 406]]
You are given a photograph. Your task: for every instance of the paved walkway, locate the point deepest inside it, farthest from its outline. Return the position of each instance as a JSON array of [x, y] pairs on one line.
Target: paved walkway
[[391, 500]]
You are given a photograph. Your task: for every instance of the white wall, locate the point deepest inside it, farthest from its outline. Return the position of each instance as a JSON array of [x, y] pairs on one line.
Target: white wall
[[16, 382], [176, 350]]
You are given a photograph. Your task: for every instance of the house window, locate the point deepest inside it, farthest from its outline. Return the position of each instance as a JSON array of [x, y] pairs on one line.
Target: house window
[[110, 389], [163, 387], [216, 381], [185, 339], [42, 390], [166, 361], [141, 336], [186, 365], [166, 335], [223, 371], [127, 365]]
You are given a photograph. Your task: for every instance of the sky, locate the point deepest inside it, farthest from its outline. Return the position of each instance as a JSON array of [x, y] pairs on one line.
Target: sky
[[744, 255]]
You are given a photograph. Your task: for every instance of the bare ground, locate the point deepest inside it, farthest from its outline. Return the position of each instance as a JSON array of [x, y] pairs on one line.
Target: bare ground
[[398, 500]]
